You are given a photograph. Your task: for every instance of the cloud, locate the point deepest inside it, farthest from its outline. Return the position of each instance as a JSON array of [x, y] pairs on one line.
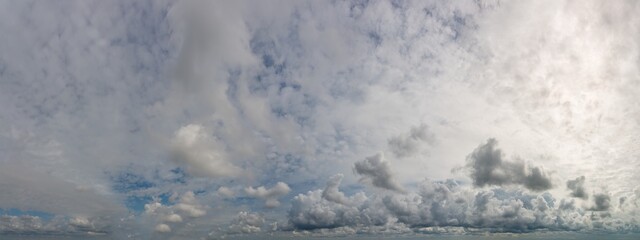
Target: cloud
[[270, 195], [92, 92], [441, 204], [226, 192], [602, 202], [377, 171], [246, 222], [190, 206], [184, 211], [201, 154], [577, 188], [162, 228], [408, 144], [487, 167], [331, 191]]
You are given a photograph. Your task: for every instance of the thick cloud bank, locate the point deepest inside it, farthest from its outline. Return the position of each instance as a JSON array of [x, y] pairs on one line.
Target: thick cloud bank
[[451, 206]]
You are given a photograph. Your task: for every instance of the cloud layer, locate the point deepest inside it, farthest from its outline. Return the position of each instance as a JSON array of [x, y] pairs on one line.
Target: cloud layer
[[193, 119]]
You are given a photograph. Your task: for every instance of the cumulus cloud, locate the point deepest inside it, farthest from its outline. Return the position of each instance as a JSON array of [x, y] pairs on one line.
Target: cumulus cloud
[[162, 228], [377, 171], [408, 144], [487, 166], [577, 188], [331, 191], [201, 154], [270, 195], [447, 205], [185, 208], [246, 222], [190, 206]]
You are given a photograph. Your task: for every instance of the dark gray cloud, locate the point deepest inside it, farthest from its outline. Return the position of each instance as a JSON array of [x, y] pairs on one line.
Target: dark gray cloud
[[577, 188], [408, 144], [378, 172], [602, 202], [487, 166]]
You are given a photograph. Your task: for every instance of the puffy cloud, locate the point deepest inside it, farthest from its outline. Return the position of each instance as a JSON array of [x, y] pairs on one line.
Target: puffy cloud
[[487, 167], [577, 188], [190, 206], [162, 228], [377, 171], [270, 195], [246, 222], [331, 191], [167, 218], [201, 154], [408, 144], [172, 218]]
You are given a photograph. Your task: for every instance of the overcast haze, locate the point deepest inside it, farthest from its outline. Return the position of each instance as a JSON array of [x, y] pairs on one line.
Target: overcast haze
[[245, 119]]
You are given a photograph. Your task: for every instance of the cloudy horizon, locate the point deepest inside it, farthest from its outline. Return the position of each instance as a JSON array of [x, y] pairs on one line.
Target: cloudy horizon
[[252, 119]]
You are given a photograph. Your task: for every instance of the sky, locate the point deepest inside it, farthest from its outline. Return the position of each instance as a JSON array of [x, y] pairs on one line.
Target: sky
[[254, 119]]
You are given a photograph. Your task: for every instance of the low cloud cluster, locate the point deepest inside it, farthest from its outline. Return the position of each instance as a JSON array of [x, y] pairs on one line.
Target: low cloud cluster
[[487, 167], [444, 206], [246, 222], [28, 224], [166, 216]]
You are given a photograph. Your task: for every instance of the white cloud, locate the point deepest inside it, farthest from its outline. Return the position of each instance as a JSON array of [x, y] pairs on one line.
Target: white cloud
[[246, 222], [162, 228], [200, 154], [270, 195]]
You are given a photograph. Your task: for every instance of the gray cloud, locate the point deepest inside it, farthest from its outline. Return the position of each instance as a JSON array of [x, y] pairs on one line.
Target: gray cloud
[[577, 188], [487, 167], [331, 191], [408, 144], [602, 202], [377, 171]]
